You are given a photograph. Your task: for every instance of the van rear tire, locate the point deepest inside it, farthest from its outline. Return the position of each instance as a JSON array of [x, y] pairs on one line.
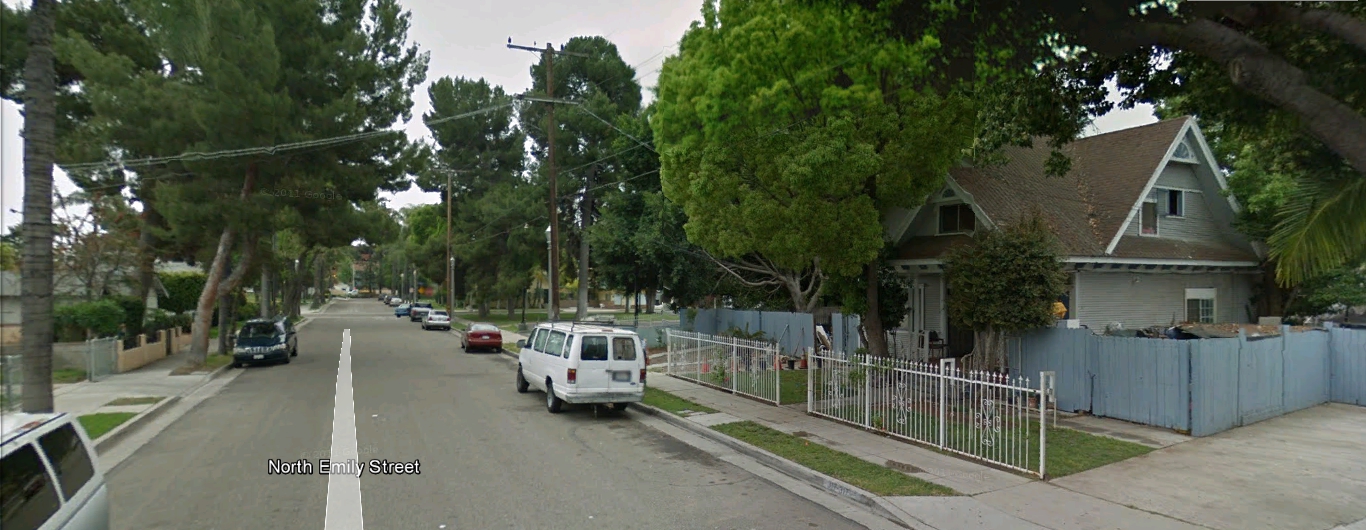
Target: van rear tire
[[553, 403], [620, 407]]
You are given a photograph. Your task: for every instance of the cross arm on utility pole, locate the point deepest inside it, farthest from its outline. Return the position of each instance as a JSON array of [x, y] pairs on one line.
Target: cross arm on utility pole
[[547, 48], [557, 101]]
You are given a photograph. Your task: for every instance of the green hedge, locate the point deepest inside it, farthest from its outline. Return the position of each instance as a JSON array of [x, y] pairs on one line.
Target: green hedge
[[134, 311], [183, 290], [102, 317], [248, 311]]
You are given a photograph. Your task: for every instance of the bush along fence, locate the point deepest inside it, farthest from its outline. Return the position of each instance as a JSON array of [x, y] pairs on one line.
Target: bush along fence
[[739, 366], [1201, 386], [981, 415]]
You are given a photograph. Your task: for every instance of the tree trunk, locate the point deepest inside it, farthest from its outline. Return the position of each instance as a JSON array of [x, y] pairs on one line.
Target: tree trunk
[[224, 320], [512, 307], [872, 318], [263, 298], [147, 241], [483, 309], [40, 146], [319, 263], [199, 337], [650, 300]]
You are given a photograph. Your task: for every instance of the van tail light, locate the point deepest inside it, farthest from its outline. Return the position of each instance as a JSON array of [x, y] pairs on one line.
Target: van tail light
[[642, 376], [573, 376]]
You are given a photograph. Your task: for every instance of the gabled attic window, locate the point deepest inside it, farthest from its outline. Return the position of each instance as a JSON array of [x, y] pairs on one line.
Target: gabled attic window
[[1184, 153], [948, 193]]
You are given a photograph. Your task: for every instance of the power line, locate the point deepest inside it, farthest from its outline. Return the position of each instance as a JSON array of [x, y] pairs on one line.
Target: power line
[[266, 150], [543, 216]]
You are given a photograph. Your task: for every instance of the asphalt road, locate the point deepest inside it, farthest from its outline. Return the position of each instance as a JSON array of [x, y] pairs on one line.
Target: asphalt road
[[490, 458]]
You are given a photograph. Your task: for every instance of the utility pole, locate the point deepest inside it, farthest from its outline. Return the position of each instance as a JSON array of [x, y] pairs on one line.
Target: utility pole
[[450, 263], [585, 217], [549, 55]]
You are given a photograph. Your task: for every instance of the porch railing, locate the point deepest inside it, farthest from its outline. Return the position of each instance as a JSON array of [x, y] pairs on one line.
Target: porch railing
[[981, 415]]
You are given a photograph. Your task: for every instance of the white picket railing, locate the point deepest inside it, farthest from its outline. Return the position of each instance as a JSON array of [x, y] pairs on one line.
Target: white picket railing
[[982, 415], [739, 366]]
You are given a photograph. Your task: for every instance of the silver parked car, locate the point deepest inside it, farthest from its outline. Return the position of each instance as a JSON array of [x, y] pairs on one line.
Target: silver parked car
[[437, 319]]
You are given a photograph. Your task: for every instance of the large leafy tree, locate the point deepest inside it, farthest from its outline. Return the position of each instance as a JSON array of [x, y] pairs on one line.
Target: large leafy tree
[[604, 87], [786, 130], [483, 158], [638, 240], [240, 79], [1005, 281], [1295, 67]]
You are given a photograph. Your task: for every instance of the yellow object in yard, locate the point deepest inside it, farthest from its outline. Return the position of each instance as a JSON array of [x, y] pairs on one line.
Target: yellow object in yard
[[1059, 310]]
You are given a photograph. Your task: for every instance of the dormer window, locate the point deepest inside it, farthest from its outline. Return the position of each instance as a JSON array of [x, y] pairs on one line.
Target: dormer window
[[956, 219], [1184, 153]]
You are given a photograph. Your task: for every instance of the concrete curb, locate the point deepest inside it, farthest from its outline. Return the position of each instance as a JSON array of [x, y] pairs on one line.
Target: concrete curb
[[112, 437], [873, 503], [128, 427]]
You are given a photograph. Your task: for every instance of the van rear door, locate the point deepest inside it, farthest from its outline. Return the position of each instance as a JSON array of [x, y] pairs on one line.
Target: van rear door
[[594, 364], [625, 364]]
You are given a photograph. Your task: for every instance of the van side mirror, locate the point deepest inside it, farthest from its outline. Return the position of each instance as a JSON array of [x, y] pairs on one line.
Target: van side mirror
[[521, 344]]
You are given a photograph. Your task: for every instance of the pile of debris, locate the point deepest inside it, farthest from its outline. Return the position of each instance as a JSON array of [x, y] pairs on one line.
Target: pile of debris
[[1191, 331]]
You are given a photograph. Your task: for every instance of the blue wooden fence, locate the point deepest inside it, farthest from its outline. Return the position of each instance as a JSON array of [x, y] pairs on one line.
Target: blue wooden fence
[[794, 332], [1201, 386]]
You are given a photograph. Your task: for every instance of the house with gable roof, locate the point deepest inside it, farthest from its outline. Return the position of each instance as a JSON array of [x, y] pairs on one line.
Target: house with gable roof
[[1144, 221]]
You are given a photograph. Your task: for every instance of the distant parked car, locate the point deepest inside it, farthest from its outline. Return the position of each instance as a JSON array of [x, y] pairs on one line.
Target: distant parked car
[[395, 302], [437, 319], [482, 336], [384, 298], [418, 310], [402, 310]]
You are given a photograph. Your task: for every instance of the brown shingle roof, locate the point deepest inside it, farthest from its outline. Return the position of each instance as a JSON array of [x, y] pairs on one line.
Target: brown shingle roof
[[931, 247], [1158, 248], [1088, 204]]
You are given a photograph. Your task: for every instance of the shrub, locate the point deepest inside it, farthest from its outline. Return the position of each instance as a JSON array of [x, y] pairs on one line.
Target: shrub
[[248, 311], [101, 317], [134, 311], [183, 290]]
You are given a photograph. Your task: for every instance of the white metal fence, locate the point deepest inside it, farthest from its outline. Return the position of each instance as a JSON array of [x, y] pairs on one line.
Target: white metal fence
[[982, 415], [735, 365]]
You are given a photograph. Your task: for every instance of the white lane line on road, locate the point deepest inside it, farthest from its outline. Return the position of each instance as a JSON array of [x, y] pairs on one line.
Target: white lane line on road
[[343, 490]]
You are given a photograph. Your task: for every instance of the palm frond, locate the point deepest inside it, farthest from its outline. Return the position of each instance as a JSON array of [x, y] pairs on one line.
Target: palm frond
[[1322, 226]]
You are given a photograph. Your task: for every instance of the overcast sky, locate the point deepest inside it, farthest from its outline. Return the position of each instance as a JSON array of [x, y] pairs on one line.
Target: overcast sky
[[469, 38]]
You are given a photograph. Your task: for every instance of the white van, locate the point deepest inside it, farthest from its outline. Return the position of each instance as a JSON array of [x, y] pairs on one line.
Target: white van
[[582, 363], [50, 480]]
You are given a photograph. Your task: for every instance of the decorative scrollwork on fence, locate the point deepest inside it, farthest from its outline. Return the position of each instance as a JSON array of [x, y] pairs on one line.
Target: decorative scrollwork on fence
[[987, 421]]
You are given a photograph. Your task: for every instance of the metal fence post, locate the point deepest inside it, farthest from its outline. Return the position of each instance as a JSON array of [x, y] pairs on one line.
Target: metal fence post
[[90, 359], [810, 381], [1043, 424], [867, 392], [734, 350], [777, 376], [945, 367]]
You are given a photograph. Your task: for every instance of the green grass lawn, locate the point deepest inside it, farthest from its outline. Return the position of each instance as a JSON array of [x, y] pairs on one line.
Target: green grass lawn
[[791, 388], [99, 423], [134, 401], [1069, 451], [876, 479], [68, 375], [671, 403]]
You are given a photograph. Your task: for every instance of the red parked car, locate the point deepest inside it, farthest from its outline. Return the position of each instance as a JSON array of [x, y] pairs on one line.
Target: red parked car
[[482, 336]]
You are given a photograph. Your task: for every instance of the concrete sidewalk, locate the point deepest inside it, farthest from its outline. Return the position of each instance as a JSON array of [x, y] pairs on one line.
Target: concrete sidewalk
[[992, 499]]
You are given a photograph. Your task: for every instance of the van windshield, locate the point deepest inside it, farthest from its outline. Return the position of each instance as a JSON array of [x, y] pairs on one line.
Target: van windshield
[[254, 330]]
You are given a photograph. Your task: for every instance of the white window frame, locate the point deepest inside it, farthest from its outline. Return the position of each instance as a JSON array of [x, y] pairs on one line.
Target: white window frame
[[939, 219], [1157, 216], [1190, 152], [1166, 208], [1210, 294]]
